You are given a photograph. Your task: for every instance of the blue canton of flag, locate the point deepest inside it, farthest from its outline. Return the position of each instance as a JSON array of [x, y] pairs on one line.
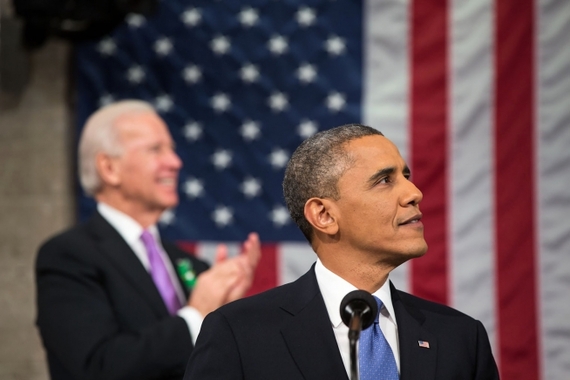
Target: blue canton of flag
[[240, 85]]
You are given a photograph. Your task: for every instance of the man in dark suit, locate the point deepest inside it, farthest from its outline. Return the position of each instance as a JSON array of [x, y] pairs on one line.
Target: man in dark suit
[[348, 190], [111, 302]]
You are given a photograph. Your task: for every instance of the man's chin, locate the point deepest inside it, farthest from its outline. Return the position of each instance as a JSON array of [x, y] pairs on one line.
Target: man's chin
[[169, 202], [409, 255], [421, 251]]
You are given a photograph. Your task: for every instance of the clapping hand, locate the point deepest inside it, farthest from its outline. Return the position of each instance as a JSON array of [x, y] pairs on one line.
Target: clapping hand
[[228, 279]]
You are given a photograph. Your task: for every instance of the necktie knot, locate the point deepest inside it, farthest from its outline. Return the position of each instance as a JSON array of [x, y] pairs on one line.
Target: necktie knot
[[379, 303], [147, 238]]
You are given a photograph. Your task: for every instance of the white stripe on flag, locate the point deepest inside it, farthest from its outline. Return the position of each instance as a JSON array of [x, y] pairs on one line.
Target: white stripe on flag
[[206, 250], [553, 140], [294, 259], [385, 74], [471, 221], [386, 82]]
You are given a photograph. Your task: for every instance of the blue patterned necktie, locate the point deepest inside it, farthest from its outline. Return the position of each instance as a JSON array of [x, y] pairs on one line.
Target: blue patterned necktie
[[375, 355]]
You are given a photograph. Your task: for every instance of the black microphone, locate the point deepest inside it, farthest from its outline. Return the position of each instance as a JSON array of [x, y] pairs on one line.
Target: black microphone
[[358, 310]]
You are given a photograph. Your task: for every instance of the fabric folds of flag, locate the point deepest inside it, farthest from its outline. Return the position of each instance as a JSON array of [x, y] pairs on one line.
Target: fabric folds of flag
[[475, 94]]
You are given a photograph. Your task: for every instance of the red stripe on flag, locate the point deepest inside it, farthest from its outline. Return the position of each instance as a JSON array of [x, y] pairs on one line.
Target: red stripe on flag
[[515, 220], [429, 71], [266, 272], [188, 247]]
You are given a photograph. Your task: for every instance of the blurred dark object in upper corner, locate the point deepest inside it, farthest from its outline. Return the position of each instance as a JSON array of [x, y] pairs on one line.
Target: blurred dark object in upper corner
[[14, 63], [75, 20]]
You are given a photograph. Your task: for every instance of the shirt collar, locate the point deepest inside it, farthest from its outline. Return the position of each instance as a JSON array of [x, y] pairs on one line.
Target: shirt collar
[[334, 288], [126, 226]]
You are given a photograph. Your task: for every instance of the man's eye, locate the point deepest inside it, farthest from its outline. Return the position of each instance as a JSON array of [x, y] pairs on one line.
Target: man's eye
[[384, 180]]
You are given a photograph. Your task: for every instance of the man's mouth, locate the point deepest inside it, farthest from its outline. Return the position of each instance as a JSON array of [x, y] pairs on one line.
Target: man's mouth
[[412, 220], [167, 181]]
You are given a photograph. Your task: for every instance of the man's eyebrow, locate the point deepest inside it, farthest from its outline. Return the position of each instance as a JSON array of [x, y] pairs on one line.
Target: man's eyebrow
[[381, 173], [386, 172]]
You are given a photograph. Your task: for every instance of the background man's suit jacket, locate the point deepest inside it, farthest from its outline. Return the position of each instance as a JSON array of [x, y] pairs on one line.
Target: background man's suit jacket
[[285, 333], [100, 315]]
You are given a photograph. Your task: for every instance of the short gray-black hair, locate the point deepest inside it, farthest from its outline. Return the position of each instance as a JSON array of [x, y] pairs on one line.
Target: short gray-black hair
[[315, 168]]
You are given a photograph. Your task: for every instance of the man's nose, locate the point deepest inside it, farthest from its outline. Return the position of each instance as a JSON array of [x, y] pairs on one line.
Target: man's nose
[[412, 195]]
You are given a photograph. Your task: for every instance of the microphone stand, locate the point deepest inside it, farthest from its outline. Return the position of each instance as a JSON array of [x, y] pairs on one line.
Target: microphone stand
[[354, 329], [357, 310]]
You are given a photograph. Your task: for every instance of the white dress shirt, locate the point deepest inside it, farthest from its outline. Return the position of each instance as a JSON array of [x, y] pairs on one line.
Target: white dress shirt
[[131, 232], [334, 288]]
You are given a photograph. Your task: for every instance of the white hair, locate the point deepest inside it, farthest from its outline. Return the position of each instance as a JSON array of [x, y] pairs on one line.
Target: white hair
[[100, 135]]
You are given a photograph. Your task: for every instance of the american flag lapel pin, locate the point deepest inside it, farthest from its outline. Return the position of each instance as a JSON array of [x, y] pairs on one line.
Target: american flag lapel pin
[[423, 343]]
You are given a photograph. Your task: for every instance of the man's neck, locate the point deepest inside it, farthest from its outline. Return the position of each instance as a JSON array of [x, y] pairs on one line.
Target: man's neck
[[144, 216], [362, 274]]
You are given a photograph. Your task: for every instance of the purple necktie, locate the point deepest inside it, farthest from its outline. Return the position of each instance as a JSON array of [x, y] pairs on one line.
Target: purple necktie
[[159, 274]]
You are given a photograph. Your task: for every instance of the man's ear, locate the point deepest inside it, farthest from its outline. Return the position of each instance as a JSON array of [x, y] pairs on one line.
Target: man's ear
[[108, 169], [322, 215]]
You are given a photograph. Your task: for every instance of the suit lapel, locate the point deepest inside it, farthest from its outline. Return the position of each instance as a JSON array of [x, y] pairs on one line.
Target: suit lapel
[[309, 335], [416, 362], [110, 243]]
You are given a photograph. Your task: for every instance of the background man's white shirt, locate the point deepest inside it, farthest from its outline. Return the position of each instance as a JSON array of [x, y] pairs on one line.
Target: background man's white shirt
[[131, 232]]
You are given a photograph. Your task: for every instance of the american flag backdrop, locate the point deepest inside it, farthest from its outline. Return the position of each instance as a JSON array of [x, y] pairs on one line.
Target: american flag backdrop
[[476, 94]]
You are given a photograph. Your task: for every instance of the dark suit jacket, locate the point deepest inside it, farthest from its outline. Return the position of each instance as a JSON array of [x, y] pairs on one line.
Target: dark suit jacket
[[100, 315], [285, 333]]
